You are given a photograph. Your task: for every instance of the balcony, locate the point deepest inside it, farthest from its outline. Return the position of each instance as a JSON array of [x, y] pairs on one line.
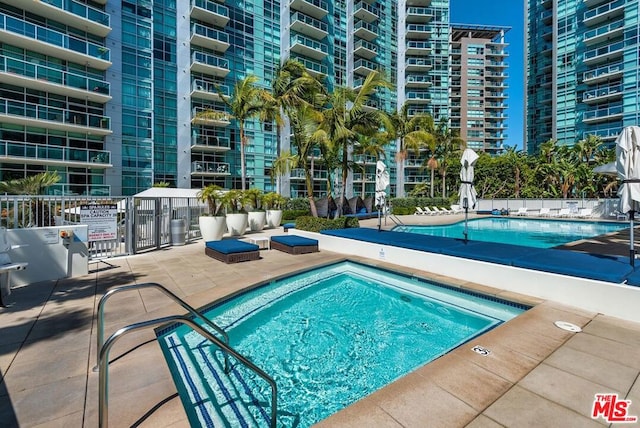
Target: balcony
[[603, 114], [495, 64], [414, 111], [42, 154], [365, 159], [416, 179], [40, 39], [316, 69], [315, 8], [416, 97], [308, 47], [308, 26], [371, 105], [30, 114], [603, 73], [603, 13], [600, 34], [418, 48], [598, 95], [209, 91], [418, 32], [419, 3], [34, 76], [365, 12], [209, 64], [500, 53], [418, 15], [209, 117], [604, 53], [298, 174], [365, 31], [69, 12], [417, 81], [210, 144], [363, 67], [210, 169], [491, 94], [365, 49], [418, 64], [209, 38], [210, 12]]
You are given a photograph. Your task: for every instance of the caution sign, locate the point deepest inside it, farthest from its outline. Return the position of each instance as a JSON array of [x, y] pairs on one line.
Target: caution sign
[[102, 221]]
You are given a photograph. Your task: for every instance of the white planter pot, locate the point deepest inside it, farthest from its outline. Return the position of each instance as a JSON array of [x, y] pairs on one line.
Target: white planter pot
[[237, 224], [212, 228], [257, 220], [274, 217]]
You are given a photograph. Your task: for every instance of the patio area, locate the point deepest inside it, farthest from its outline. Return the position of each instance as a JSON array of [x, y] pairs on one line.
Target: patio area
[[535, 375]]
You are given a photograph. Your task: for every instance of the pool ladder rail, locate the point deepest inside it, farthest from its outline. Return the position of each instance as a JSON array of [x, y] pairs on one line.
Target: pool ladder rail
[[105, 346]]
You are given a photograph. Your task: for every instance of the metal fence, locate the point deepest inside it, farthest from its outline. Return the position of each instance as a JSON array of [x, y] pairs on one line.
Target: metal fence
[[142, 223]]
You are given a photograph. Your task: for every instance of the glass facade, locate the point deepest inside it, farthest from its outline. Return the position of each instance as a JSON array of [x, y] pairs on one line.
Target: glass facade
[[582, 70]]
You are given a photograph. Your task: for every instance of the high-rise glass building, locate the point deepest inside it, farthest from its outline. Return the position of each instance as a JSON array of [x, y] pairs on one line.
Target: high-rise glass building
[[582, 70], [478, 85], [117, 95]]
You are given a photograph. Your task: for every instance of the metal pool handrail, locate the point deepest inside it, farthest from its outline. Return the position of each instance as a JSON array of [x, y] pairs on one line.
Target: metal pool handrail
[[103, 363], [178, 300]]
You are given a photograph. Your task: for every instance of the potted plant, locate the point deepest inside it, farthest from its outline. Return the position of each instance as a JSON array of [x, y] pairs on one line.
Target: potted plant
[[273, 203], [257, 217], [212, 225], [236, 216]]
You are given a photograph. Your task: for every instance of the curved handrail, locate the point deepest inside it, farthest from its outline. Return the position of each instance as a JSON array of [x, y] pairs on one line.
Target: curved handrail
[[103, 363], [178, 300]]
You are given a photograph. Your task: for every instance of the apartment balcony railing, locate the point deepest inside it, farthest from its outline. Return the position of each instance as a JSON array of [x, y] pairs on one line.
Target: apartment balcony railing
[[414, 179], [418, 80], [298, 174], [413, 111], [210, 11], [308, 47], [368, 178], [365, 11], [419, 15], [421, 97], [606, 133], [210, 168], [602, 114], [309, 26], [365, 30], [74, 14], [418, 47], [42, 39], [367, 159], [599, 94], [315, 8], [498, 64], [364, 67], [209, 90], [63, 81], [603, 72], [209, 64], [602, 33], [604, 12], [312, 67], [490, 94], [418, 31], [210, 143], [418, 64], [496, 52], [546, 16], [211, 38], [53, 155], [604, 53], [365, 49], [19, 112], [203, 116]]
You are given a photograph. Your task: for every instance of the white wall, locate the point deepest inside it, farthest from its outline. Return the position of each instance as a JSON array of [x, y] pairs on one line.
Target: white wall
[[48, 257]]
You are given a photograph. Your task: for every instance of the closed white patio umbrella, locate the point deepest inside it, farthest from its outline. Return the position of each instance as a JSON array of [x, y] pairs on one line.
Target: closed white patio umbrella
[[382, 182], [628, 167], [467, 192]]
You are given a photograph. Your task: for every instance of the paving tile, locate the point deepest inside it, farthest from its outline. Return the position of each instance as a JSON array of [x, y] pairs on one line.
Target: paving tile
[[72, 420], [608, 349], [522, 409], [593, 368], [615, 329], [564, 388], [481, 421], [358, 415]]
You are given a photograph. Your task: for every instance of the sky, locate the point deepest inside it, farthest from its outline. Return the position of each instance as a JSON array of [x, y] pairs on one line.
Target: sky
[[509, 13]]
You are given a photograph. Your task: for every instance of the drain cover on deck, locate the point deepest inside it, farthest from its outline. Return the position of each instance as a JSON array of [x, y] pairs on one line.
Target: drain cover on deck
[[568, 326], [480, 350]]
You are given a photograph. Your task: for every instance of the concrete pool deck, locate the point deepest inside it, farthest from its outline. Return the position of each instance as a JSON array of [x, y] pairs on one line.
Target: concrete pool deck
[[536, 374]]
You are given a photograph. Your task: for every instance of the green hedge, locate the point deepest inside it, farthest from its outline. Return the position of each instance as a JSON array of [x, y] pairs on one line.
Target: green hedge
[[316, 224], [289, 215], [298, 204], [405, 206]]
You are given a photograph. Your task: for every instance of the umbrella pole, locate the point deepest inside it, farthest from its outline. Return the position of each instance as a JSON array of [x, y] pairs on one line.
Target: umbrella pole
[[466, 217], [632, 251]]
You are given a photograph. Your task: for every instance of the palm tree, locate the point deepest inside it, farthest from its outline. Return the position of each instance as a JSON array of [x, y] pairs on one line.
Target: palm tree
[[370, 146], [247, 102], [449, 144], [413, 133], [33, 185], [345, 117]]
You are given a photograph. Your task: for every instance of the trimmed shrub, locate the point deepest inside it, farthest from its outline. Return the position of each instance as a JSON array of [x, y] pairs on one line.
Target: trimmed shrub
[[316, 224], [298, 204], [294, 214]]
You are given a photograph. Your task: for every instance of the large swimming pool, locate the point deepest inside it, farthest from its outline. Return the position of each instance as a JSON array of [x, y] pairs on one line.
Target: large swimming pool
[[537, 233], [328, 337]]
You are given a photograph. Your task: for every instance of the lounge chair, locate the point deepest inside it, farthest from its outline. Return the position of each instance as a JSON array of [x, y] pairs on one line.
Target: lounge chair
[[544, 212], [456, 209], [445, 211], [439, 211], [294, 244], [585, 213], [522, 211], [429, 211], [564, 212], [232, 251], [419, 211]]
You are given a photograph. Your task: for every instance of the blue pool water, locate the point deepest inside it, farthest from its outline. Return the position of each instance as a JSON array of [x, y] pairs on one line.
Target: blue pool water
[[528, 232], [328, 337]]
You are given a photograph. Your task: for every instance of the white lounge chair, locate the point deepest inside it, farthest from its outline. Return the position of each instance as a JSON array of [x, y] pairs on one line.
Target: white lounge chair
[[585, 213], [440, 210], [522, 211], [456, 209], [544, 212], [429, 211], [419, 211], [564, 212]]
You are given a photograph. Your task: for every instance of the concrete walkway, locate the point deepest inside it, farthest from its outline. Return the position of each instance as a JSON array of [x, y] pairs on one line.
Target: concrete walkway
[[536, 374]]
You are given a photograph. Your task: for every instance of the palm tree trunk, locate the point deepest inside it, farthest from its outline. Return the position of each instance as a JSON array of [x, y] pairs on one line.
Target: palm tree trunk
[[432, 181], [243, 167], [309, 183], [363, 180]]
